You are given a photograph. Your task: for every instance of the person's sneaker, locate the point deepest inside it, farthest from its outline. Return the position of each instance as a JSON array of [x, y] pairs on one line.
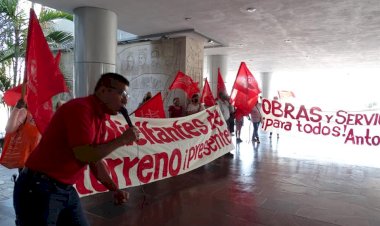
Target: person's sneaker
[[239, 140], [258, 141]]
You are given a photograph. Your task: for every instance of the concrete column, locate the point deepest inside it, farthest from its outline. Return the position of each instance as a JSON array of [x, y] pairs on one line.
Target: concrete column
[[212, 63], [266, 78], [95, 47]]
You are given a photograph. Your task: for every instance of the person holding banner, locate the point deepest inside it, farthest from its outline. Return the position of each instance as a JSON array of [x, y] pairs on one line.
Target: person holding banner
[[147, 97], [175, 110], [224, 106], [256, 120], [195, 106], [75, 137]]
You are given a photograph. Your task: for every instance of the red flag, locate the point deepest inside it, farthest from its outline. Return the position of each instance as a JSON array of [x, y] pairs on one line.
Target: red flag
[[153, 108], [221, 87], [185, 83], [192, 89], [43, 76], [245, 91], [207, 98], [11, 96]]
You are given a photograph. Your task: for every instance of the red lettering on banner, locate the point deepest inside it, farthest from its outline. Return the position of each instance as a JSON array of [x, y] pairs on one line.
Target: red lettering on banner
[[289, 108], [345, 118], [302, 113], [157, 158], [112, 163], [175, 154], [149, 166], [161, 134], [214, 119], [319, 129], [361, 140], [199, 124], [149, 133], [146, 163], [315, 114], [141, 141], [81, 188], [96, 185], [128, 164], [140, 126], [156, 166], [210, 144], [266, 106], [227, 136], [275, 108], [189, 127], [221, 139], [113, 130], [186, 130], [179, 128]]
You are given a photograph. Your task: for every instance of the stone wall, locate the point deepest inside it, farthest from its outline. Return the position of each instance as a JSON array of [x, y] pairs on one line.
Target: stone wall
[[152, 66]]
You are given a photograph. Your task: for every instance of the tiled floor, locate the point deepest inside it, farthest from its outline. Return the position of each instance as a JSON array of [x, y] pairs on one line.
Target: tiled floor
[[290, 181]]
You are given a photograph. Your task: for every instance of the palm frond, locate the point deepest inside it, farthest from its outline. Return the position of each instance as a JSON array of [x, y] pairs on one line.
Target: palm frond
[[6, 55], [48, 15], [59, 37]]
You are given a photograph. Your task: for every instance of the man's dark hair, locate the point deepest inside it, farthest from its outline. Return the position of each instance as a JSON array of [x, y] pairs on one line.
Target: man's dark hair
[[107, 78]]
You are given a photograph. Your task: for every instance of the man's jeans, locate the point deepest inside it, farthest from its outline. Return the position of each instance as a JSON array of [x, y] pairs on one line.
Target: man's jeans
[[40, 200], [255, 130]]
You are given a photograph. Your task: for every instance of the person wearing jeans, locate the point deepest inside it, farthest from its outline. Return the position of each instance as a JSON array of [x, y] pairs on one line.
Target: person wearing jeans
[[256, 119], [44, 193]]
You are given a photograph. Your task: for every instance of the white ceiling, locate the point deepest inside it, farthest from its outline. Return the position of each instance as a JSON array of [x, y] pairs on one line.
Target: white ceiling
[[280, 35]]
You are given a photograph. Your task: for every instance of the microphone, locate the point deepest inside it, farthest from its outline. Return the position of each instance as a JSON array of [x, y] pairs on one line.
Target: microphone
[[124, 112]]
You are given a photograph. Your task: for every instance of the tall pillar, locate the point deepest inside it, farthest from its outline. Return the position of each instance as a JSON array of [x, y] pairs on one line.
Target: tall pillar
[[266, 78], [95, 47], [212, 63]]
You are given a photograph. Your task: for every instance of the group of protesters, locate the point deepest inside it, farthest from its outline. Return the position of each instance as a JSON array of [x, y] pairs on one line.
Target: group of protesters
[[70, 143]]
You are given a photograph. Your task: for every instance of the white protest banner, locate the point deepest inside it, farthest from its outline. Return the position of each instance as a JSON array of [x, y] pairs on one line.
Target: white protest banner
[[166, 148], [356, 128]]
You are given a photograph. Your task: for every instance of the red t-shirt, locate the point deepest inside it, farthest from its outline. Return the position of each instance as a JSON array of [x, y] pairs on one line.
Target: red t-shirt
[[78, 122], [175, 112]]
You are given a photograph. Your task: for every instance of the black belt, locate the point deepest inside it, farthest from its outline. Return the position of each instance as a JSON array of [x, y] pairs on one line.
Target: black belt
[[36, 174]]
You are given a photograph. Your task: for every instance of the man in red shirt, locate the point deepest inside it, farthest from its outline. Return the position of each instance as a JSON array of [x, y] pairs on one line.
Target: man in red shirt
[[44, 192]]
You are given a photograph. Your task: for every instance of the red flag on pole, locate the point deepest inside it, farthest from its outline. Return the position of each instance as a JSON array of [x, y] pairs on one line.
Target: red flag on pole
[[207, 98], [192, 89], [245, 91], [153, 108], [43, 76], [12, 95], [185, 83], [221, 87]]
